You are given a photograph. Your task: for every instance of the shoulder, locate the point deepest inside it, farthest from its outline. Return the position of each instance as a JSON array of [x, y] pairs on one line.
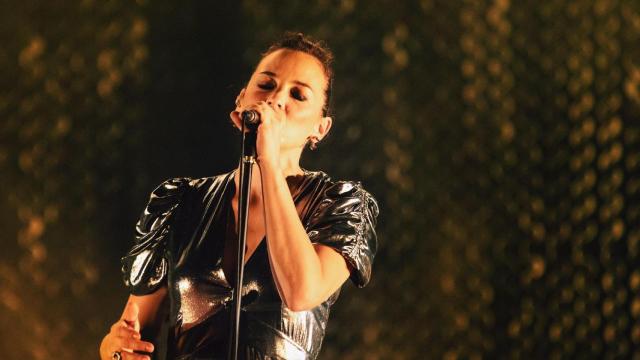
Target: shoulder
[[344, 191], [180, 185], [344, 218], [178, 192], [165, 197], [211, 186], [172, 186], [209, 181]]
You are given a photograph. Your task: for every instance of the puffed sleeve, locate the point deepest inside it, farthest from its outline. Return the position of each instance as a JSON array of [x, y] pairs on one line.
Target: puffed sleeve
[[144, 267], [345, 220]]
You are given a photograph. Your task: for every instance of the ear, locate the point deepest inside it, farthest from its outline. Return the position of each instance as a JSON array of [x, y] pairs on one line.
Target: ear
[[235, 114], [323, 127], [239, 98]]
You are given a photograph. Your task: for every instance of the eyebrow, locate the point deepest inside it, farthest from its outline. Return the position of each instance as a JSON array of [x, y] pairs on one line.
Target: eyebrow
[[272, 74]]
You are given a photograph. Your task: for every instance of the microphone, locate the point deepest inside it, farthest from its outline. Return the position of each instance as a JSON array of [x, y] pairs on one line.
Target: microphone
[[251, 119]]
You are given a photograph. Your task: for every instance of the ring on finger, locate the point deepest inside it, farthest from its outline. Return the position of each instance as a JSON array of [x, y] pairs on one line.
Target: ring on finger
[[117, 355]]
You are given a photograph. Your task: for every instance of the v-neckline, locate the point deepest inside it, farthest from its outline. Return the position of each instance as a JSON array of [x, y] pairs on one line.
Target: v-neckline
[[231, 227]]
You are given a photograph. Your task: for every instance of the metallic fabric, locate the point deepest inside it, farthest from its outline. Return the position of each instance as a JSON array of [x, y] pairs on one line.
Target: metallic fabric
[[180, 242]]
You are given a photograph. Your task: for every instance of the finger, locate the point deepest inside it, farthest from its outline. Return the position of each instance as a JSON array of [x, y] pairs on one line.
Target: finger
[[120, 324], [255, 106], [126, 332], [277, 112], [135, 345], [277, 107], [134, 356], [266, 112]]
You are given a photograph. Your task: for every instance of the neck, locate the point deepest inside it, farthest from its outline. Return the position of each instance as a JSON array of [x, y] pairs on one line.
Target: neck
[[289, 162]]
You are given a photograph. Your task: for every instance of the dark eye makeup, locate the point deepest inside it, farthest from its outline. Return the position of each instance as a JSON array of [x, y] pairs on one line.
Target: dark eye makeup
[[295, 92], [267, 85]]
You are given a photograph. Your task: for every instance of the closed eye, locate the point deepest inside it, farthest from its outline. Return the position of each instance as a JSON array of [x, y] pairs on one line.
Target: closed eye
[[297, 94], [266, 86]]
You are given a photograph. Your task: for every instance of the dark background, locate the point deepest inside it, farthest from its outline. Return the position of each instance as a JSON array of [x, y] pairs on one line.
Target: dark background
[[501, 139]]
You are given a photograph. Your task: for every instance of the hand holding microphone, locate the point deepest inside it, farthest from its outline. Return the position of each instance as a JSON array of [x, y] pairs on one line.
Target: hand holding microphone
[[264, 121], [250, 119]]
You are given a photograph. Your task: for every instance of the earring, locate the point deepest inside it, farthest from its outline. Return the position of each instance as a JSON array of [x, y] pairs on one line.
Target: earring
[[313, 142], [233, 125]]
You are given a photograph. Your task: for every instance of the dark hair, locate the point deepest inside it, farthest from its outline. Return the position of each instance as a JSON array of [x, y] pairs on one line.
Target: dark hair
[[299, 42]]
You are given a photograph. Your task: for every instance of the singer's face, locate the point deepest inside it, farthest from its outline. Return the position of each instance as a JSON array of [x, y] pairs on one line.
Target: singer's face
[[297, 82]]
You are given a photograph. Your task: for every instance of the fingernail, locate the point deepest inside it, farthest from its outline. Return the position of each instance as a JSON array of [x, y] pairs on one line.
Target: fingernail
[[136, 336], [150, 348]]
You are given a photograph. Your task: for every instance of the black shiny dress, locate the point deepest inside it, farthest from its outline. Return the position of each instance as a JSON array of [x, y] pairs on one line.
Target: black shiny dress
[[180, 242]]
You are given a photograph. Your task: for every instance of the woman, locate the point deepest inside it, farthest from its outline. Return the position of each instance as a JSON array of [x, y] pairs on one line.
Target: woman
[[306, 234]]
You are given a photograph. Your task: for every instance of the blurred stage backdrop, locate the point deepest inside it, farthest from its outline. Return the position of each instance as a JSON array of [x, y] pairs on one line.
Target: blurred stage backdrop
[[501, 138]]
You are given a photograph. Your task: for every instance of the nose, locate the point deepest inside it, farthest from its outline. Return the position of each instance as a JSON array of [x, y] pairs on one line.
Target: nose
[[277, 98]]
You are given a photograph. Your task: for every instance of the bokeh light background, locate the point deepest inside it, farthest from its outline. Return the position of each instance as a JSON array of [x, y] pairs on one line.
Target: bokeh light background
[[502, 139]]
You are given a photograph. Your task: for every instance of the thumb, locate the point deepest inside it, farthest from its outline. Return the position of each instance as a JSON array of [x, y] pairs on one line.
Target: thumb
[[130, 315]]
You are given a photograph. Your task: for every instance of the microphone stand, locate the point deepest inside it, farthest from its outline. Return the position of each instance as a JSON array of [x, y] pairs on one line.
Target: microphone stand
[[246, 167]]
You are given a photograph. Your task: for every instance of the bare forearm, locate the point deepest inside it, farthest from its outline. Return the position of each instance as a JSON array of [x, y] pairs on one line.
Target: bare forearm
[[294, 261]]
